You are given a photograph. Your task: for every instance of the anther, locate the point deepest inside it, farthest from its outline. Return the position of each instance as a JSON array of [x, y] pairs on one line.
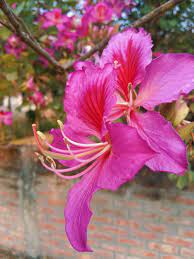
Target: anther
[[41, 135], [116, 64]]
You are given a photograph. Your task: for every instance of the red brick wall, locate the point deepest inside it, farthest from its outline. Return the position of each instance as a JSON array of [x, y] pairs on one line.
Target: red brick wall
[[126, 224]]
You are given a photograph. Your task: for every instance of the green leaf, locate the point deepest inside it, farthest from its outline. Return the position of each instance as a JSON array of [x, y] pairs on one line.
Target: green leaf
[[182, 182]]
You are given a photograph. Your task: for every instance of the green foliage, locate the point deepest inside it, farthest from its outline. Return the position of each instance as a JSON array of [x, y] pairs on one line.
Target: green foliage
[[172, 31], [183, 181]]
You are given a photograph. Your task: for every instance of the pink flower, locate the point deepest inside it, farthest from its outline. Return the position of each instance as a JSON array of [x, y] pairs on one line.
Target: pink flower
[[37, 98], [119, 5], [14, 46], [55, 18], [113, 153], [30, 84], [6, 118], [14, 5], [66, 40], [101, 12], [162, 80], [98, 13]]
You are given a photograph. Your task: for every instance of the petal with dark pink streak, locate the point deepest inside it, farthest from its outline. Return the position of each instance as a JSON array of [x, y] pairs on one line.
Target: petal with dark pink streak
[[131, 49], [90, 98]]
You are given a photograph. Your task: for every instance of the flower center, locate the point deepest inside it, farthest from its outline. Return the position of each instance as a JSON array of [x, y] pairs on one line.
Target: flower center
[[84, 154], [123, 107]]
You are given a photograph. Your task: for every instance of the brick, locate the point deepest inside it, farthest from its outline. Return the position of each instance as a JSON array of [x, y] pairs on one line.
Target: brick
[[130, 242], [114, 230], [189, 213], [178, 241], [189, 234], [171, 257], [156, 228], [187, 252], [162, 248], [185, 201], [145, 235], [101, 219], [101, 236], [55, 202], [143, 253], [115, 248], [122, 256], [128, 223]]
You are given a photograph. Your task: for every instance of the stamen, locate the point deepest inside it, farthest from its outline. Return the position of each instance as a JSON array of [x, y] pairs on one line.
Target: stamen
[[67, 170], [59, 156], [116, 115], [76, 143], [43, 137], [116, 64], [51, 161], [91, 158], [76, 175]]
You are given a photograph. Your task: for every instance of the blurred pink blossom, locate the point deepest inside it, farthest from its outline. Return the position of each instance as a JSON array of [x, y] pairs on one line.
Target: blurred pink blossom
[[30, 84], [37, 98], [101, 12], [14, 5], [55, 18], [66, 40], [6, 118], [119, 5], [14, 46]]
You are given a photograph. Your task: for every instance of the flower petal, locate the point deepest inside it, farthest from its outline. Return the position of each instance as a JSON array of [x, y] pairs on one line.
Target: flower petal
[[167, 77], [93, 89], [132, 50], [129, 154], [162, 137], [77, 211]]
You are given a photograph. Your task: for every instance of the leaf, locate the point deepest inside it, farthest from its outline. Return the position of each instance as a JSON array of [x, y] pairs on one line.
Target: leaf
[[182, 182], [185, 132], [4, 33], [175, 112]]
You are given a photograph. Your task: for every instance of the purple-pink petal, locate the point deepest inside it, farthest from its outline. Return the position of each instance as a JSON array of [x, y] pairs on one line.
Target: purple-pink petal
[[77, 211], [131, 50], [167, 77], [161, 137], [128, 155], [95, 98]]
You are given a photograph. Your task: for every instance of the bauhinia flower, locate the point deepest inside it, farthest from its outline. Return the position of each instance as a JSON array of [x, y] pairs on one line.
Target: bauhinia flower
[[55, 18], [106, 154], [101, 12], [162, 80], [37, 98], [14, 46], [6, 118]]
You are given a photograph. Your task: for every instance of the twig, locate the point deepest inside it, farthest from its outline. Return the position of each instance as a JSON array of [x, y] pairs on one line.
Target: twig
[[18, 25], [140, 22], [6, 25], [156, 12], [22, 32]]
